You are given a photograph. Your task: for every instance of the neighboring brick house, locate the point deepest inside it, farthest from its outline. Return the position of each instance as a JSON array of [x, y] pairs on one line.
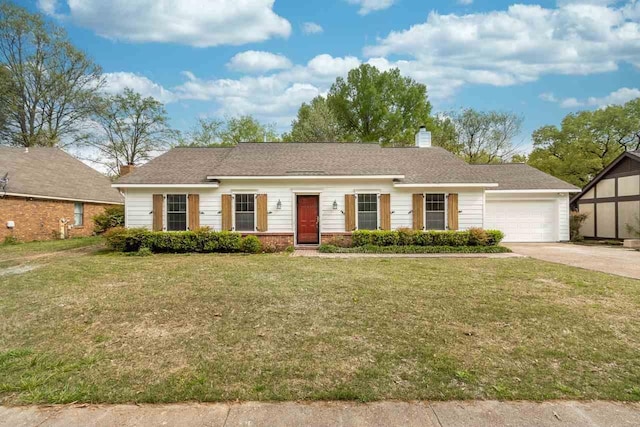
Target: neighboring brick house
[[45, 194]]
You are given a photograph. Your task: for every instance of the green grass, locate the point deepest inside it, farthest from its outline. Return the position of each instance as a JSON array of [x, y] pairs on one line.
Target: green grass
[[373, 249], [9, 251], [170, 328]]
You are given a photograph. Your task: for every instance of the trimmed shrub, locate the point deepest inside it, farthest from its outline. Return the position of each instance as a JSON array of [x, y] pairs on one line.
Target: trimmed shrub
[[202, 240], [406, 237], [412, 249], [495, 237], [385, 238], [251, 245], [361, 237], [111, 217], [478, 237], [229, 242]]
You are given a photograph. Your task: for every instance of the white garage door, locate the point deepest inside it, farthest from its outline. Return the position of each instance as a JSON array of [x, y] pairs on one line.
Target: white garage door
[[523, 221]]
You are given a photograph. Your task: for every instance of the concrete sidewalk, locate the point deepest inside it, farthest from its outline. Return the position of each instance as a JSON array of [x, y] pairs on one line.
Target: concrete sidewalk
[[427, 414]]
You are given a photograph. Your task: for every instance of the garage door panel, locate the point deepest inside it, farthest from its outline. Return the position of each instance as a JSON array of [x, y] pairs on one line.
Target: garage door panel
[[523, 221]]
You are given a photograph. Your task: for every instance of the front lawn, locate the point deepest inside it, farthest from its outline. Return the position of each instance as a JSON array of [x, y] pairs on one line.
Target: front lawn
[[167, 328], [13, 251]]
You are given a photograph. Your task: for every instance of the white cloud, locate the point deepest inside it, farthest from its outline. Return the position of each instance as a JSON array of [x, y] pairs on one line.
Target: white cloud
[[118, 81], [312, 28], [199, 23], [548, 96], [514, 46], [368, 6], [253, 61], [617, 97], [465, 2], [47, 6], [275, 97]]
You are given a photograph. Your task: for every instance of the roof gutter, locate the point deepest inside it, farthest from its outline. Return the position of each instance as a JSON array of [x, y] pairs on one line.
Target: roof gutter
[[207, 185], [70, 199], [308, 177], [442, 185], [534, 191]]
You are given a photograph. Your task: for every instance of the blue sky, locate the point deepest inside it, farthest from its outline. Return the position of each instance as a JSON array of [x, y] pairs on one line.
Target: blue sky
[[227, 57]]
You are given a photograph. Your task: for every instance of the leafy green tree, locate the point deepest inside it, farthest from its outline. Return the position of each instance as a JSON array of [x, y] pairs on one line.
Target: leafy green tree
[[478, 136], [586, 142], [214, 132], [315, 122], [52, 85], [384, 107], [129, 129]]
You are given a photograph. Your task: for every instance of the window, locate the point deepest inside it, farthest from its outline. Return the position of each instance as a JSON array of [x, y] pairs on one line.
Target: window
[[245, 212], [435, 212], [367, 211], [176, 212], [78, 214]]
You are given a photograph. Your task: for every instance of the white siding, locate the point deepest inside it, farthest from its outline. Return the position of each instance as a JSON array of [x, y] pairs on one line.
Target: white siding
[[139, 202]]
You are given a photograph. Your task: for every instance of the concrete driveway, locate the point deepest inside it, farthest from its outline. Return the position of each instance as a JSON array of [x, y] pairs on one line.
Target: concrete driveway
[[608, 259]]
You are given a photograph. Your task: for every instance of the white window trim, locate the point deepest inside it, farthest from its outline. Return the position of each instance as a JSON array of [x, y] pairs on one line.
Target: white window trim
[[377, 193], [165, 225], [446, 208], [233, 210]]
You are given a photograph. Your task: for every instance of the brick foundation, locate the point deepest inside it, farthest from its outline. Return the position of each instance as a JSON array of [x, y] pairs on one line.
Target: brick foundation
[[39, 219], [338, 239], [279, 241]]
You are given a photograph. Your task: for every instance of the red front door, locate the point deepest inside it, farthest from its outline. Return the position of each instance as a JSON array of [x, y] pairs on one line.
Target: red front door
[[308, 220]]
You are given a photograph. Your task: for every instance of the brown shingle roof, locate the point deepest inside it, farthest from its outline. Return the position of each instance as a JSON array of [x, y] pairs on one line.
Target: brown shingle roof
[[432, 165], [193, 165], [519, 176], [50, 172]]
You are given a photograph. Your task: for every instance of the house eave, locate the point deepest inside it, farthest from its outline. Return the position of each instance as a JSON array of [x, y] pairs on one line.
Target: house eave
[[534, 191], [305, 177], [67, 199], [448, 185], [206, 185]]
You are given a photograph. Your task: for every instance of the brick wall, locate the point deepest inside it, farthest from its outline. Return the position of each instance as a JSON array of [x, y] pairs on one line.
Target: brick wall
[[338, 239], [38, 219], [279, 240]]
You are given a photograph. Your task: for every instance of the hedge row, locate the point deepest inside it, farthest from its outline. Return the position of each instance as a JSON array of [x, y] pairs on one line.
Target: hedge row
[[408, 237], [134, 239], [412, 249]]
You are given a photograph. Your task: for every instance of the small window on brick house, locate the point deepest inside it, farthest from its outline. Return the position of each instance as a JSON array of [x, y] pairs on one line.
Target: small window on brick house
[[78, 214]]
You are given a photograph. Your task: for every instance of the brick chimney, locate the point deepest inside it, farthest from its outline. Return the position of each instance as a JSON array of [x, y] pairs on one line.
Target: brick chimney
[[423, 138], [126, 169]]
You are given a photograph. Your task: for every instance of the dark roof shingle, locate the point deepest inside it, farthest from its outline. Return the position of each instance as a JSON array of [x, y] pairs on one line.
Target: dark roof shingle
[[519, 176], [433, 165], [193, 165], [50, 172]]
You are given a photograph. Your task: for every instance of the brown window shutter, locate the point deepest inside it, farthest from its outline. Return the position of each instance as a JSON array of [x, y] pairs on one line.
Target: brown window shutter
[[227, 213], [452, 211], [158, 214], [418, 212], [385, 211], [349, 212], [194, 211], [263, 214]]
